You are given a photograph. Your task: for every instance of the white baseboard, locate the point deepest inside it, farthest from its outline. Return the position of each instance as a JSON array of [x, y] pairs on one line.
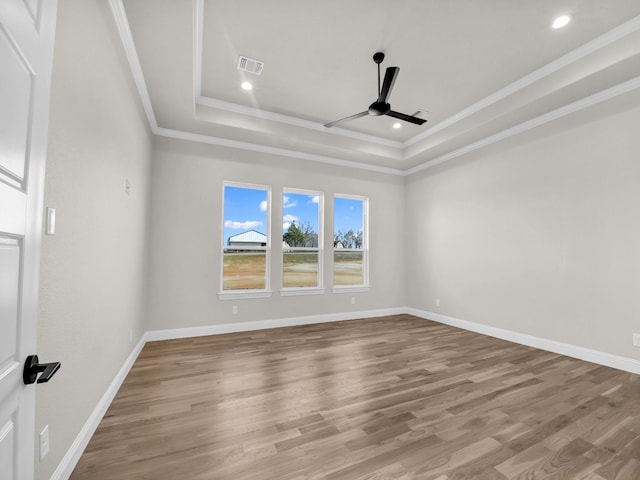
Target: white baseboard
[[582, 353], [153, 335], [70, 460]]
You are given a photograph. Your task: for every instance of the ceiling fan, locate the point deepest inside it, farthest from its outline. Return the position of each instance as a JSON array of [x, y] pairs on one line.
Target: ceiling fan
[[381, 105]]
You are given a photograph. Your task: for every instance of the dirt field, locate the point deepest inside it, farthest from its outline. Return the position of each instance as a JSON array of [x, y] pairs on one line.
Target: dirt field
[[244, 271], [300, 269]]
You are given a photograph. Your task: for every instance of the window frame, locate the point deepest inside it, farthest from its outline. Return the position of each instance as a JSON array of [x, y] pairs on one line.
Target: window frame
[[319, 288], [265, 292], [365, 286]]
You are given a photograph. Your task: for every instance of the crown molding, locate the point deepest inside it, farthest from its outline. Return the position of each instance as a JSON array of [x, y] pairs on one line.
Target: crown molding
[[120, 17], [198, 22], [282, 152], [573, 56], [556, 114], [295, 121]]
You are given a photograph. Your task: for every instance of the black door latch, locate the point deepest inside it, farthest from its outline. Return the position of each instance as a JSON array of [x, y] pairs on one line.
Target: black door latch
[[32, 368]]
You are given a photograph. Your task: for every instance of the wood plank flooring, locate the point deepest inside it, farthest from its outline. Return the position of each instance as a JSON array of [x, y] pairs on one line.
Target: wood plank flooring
[[389, 398]]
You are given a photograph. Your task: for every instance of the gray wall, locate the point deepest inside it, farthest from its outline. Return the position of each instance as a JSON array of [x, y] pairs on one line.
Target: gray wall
[[93, 274], [186, 232], [538, 234]]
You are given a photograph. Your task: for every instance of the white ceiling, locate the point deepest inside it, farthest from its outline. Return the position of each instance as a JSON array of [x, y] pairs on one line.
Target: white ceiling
[[482, 70]]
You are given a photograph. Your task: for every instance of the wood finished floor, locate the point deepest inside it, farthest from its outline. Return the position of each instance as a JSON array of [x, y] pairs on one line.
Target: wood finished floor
[[389, 398]]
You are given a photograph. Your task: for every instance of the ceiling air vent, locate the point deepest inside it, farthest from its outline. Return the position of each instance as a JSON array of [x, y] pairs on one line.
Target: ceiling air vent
[[250, 65]]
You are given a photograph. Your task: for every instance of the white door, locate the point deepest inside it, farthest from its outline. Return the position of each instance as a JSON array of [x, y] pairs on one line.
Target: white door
[[26, 51]]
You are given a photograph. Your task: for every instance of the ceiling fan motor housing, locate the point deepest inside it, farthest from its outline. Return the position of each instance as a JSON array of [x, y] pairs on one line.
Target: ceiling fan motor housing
[[379, 108]]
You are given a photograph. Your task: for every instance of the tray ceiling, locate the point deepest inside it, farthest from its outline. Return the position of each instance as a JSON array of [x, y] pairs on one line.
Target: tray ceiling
[[479, 72]]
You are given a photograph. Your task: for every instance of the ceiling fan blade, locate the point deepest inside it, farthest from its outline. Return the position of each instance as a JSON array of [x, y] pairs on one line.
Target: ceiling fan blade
[[389, 79], [352, 117], [406, 118]]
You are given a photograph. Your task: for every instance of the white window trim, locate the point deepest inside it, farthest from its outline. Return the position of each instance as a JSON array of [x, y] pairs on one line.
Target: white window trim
[[350, 289], [299, 291], [248, 293], [319, 289], [240, 294], [364, 287]]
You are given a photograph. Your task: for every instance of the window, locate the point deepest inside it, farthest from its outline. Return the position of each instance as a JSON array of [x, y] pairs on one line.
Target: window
[[350, 242], [246, 246], [301, 239]]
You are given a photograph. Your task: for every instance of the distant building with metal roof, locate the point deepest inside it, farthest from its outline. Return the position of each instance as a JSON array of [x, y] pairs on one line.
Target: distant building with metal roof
[[250, 238]]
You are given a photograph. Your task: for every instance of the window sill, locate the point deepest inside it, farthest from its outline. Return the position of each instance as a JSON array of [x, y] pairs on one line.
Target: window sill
[[351, 289], [240, 294], [291, 292]]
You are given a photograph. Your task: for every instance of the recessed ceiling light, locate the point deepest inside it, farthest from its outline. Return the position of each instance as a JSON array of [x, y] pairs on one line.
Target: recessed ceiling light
[[397, 125], [561, 21], [247, 86]]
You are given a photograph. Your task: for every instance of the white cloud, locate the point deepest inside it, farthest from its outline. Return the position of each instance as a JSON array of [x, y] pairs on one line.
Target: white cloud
[[287, 203], [263, 206], [248, 225], [316, 199], [287, 220]]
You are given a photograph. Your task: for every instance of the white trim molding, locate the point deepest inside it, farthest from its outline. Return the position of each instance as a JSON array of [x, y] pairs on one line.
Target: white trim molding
[[573, 56], [120, 17], [243, 294], [351, 289], [300, 291], [556, 114], [594, 356], [294, 121], [71, 458], [282, 152], [154, 335], [591, 47]]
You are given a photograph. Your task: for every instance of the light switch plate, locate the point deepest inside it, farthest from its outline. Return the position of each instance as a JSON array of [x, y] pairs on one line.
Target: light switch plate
[[51, 221]]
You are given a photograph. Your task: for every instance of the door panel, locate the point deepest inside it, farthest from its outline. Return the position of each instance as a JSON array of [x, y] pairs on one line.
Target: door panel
[[9, 281], [15, 98], [26, 41]]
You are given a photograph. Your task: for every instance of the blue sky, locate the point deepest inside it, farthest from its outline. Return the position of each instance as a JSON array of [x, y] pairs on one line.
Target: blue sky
[[246, 209], [347, 214], [300, 208]]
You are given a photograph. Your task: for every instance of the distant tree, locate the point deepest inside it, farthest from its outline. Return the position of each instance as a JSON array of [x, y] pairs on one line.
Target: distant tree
[[358, 240], [348, 239], [310, 236], [294, 236]]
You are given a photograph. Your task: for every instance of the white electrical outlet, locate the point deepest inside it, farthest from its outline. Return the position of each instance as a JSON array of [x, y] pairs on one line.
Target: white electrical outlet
[[353, 300], [234, 310], [437, 302], [636, 339], [127, 186], [44, 442]]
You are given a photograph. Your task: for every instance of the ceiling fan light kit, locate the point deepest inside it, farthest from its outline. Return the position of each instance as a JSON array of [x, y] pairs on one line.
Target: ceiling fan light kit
[[381, 106]]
